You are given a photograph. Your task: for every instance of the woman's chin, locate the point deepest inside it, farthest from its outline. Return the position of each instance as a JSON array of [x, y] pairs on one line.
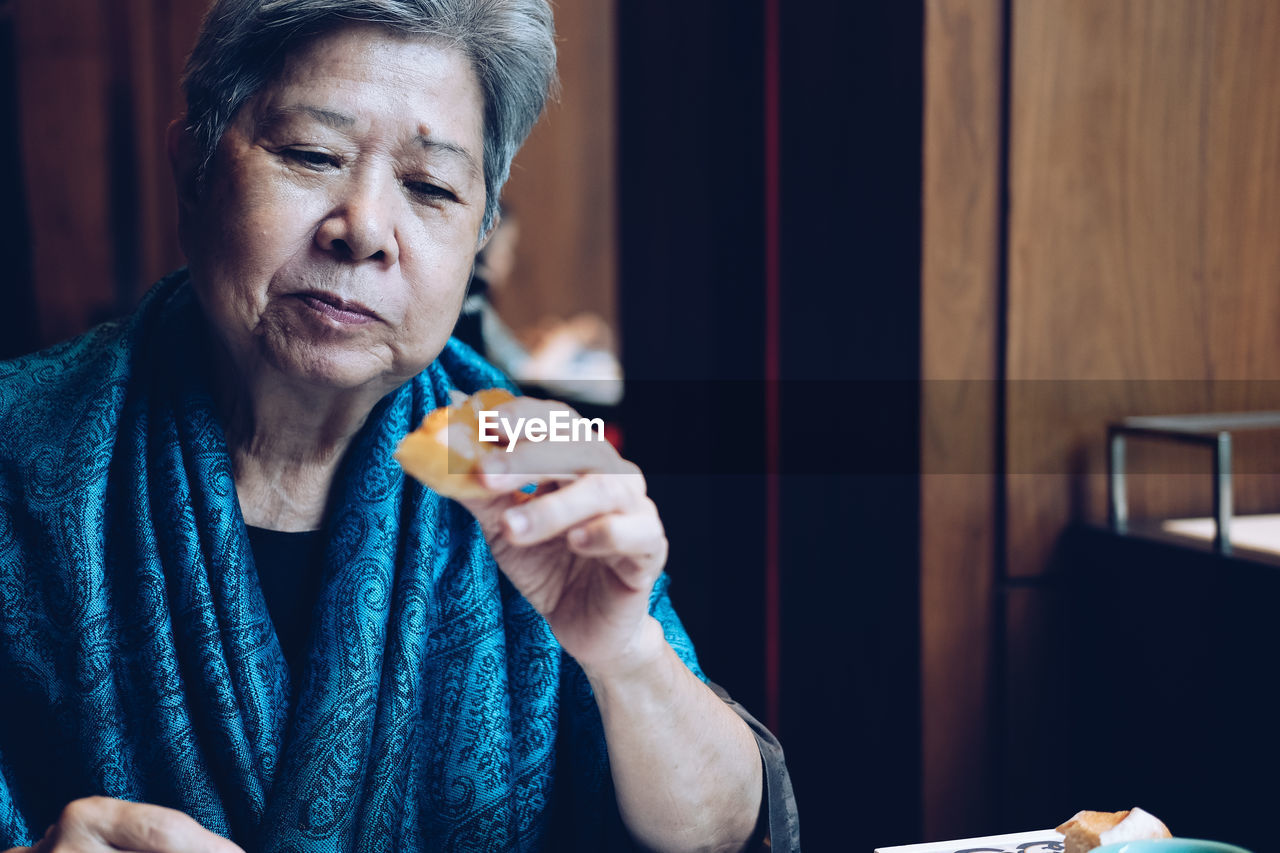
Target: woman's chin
[[339, 369]]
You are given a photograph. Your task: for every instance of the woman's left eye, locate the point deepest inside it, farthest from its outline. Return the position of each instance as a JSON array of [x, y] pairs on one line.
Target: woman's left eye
[[427, 191]]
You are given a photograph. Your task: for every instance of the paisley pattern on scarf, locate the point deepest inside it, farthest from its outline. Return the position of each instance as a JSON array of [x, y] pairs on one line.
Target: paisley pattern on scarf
[[138, 660]]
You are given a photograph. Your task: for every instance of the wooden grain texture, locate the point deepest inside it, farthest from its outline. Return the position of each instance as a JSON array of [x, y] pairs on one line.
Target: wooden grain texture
[[563, 185], [63, 72], [97, 92], [164, 37], [960, 298], [1145, 204]]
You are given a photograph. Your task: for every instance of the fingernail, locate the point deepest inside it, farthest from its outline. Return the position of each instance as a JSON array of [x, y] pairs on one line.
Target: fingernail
[[578, 537], [517, 522]]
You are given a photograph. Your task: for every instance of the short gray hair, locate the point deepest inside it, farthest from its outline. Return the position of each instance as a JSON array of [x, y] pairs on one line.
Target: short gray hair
[[510, 44]]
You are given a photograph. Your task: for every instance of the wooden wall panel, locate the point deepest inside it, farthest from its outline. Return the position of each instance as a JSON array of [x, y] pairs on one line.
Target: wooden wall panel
[[1242, 208], [163, 34], [1145, 200], [960, 305], [63, 72], [563, 184], [97, 91]]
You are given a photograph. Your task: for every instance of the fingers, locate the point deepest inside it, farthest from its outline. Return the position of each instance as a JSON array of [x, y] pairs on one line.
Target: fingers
[[587, 494], [638, 535], [633, 546], [552, 514], [101, 823]]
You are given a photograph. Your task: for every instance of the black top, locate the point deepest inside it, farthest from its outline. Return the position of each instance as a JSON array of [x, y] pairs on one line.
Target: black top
[[290, 566]]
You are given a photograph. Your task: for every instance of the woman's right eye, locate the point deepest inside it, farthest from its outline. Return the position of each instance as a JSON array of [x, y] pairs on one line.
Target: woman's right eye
[[311, 158]]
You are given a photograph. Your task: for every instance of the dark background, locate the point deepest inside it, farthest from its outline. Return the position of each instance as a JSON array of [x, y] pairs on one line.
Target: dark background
[[693, 309]]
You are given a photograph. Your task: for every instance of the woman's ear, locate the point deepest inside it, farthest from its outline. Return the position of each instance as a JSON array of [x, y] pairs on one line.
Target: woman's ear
[[184, 161], [487, 235]]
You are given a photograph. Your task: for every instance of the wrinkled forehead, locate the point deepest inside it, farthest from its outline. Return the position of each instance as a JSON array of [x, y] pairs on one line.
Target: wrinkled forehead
[[377, 40], [358, 76], [352, 43]]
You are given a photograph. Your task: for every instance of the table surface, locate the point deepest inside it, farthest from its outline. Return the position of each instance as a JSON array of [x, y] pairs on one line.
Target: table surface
[[1038, 841]]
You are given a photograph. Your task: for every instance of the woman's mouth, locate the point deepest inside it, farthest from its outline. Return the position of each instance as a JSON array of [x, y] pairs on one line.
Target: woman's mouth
[[337, 309]]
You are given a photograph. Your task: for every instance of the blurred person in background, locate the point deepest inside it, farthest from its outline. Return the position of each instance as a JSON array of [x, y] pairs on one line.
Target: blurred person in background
[[574, 359]]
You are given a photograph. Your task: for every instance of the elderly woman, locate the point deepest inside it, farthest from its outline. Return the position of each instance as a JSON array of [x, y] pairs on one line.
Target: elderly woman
[[227, 614]]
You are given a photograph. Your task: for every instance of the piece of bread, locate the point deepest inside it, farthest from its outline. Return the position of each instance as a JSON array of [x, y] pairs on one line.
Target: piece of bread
[[1087, 830], [444, 452]]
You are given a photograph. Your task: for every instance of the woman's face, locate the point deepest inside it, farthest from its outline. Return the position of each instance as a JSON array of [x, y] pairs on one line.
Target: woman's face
[[335, 237]]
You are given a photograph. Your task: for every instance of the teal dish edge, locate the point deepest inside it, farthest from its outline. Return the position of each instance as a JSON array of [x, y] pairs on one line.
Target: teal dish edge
[[1170, 845]]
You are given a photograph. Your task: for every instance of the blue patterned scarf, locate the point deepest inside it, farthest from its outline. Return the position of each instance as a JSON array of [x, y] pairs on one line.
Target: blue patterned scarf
[[138, 659]]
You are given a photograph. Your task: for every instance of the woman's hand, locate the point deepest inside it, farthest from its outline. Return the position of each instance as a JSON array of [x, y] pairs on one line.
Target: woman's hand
[[585, 552], [101, 824], [586, 549]]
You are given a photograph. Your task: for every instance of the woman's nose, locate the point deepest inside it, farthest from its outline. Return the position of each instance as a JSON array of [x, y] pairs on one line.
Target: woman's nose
[[361, 225]]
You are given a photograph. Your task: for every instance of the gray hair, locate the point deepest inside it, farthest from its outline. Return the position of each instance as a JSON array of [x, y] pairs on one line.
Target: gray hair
[[510, 44]]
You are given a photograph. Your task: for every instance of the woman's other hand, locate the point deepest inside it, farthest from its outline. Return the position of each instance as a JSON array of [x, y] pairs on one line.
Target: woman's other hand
[[102, 824], [586, 549]]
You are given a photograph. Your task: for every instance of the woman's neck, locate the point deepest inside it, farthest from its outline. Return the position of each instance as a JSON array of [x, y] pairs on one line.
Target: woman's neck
[[286, 443]]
